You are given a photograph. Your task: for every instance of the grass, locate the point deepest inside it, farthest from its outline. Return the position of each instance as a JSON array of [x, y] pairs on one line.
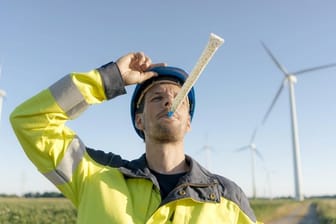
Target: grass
[[326, 210], [37, 211], [267, 210], [60, 210]]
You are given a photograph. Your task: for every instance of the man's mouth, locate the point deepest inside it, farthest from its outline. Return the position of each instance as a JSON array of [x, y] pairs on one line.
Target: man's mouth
[[164, 115]]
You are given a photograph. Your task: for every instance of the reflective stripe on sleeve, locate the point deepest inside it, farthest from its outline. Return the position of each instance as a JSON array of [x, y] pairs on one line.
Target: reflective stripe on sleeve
[[68, 97], [65, 169]]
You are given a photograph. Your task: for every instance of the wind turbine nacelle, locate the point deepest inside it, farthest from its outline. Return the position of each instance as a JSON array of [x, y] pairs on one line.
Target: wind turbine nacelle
[[2, 93], [253, 146], [292, 78]]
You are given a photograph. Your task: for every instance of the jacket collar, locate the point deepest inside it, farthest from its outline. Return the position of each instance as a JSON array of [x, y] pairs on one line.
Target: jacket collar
[[198, 183]]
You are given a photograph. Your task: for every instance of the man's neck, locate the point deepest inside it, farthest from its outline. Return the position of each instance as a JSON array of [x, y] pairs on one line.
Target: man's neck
[[167, 158]]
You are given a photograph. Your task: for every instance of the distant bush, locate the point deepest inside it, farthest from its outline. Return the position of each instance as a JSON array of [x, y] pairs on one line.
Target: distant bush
[[43, 195], [8, 196]]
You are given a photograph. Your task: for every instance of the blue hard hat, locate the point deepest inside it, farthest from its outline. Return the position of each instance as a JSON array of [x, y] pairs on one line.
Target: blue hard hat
[[164, 72]]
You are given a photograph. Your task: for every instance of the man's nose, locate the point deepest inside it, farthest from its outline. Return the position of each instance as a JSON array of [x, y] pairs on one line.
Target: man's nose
[[168, 101]]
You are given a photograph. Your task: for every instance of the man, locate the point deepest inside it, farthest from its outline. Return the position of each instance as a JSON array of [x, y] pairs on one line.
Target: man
[[163, 186]]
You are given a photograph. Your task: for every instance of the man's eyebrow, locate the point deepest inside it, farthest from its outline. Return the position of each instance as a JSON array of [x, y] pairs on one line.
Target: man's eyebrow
[[155, 93]]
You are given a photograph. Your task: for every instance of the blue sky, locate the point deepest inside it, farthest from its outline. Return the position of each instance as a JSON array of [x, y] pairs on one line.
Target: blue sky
[[41, 41]]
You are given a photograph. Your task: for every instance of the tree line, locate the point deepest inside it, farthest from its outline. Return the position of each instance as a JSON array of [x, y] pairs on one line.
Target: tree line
[[36, 195]]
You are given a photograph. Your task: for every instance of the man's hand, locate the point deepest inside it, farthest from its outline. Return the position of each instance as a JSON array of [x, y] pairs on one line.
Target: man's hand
[[133, 68]]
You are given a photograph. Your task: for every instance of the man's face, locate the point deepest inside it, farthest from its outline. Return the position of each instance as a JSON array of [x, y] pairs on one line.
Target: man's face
[[154, 121]]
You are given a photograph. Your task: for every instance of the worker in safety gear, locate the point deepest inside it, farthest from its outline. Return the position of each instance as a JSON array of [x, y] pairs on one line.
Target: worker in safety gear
[[164, 185]]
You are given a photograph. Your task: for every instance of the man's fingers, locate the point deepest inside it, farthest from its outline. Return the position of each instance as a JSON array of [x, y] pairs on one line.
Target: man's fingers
[[157, 65], [141, 58], [134, 67], [140, 61], [147, 75], [146, 64]]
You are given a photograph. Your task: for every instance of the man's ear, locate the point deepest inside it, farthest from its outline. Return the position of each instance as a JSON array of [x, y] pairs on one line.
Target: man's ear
[[189, 124], [139, 121]]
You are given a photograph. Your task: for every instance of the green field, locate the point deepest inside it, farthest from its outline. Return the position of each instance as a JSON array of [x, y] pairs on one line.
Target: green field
[[326, 209], [37, 211], [60, 210], [267, 210]]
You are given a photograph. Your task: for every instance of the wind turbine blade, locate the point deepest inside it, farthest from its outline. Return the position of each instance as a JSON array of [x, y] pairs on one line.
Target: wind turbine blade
[[253, 135], [242, 148], [274, 59], [259, 154], [314, 69], [273, 102], [205, 148], [208, 147]]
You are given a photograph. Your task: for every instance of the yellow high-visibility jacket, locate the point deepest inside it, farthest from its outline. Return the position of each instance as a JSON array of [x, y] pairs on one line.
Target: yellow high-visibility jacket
[[103, 187]]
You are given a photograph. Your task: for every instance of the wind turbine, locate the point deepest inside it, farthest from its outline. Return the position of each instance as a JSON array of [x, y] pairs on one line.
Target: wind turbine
[[207, 150], [291, 78], [253, 150], [2, 94], [268, 182]]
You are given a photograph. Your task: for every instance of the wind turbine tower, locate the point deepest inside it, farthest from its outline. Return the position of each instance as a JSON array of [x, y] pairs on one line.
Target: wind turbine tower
[[253, 151], [291, 78], [207, 149]]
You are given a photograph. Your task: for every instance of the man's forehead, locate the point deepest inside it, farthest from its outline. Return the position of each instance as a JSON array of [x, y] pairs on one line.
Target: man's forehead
[[157, 85]]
